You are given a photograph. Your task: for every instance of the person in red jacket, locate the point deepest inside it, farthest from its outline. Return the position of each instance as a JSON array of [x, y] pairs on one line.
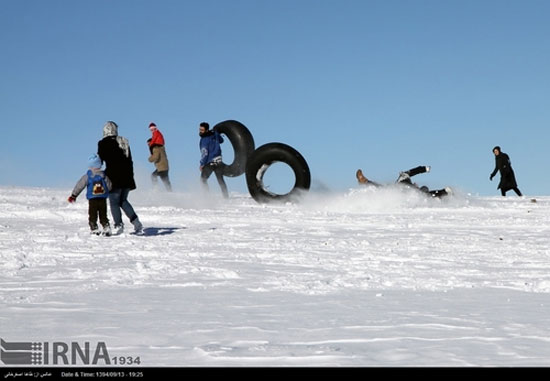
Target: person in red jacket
[[158, 157], [157, 137]]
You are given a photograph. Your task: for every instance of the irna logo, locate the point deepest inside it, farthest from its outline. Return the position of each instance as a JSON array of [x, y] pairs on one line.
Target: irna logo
[[56, 353]]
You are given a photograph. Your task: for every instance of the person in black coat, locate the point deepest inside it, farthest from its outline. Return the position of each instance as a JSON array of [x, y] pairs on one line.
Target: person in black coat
[[115, 151], [507, 176]]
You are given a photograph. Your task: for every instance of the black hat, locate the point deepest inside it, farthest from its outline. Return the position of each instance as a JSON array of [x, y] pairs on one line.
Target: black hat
[[205, 125]]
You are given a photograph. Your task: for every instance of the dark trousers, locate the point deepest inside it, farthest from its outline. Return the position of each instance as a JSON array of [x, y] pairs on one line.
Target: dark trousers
[[437, 193], [503, 192], [217, 168], [164, 177], [416, 171], [97, 207]]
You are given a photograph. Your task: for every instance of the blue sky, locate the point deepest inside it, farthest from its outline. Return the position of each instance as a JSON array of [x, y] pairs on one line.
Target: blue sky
[[378, 85]]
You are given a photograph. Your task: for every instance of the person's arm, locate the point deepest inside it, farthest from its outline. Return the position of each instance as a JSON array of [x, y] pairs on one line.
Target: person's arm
[[495, 171], [101, 151], [155, 156], [79, 187], [108, 182], [204, 154]]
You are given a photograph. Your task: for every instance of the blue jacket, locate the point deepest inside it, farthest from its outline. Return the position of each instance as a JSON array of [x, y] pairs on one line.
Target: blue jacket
[[210, 147], [97, 186], [96, 183]]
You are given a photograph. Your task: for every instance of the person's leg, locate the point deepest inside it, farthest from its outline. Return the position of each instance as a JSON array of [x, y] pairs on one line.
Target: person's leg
[[205, 174], [103, 219], [405, 176], [154, 178], [102, 210], [92, 215], [417, 171], [439, 192], [129, 210], [360, 177], [218, 170], [126, 206], [502, 192], [518, 192], [166, 180], [363, 180], [115, 203]]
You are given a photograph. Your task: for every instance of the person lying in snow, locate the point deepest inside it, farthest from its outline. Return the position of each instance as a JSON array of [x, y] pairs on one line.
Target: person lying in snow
[[405, 179]]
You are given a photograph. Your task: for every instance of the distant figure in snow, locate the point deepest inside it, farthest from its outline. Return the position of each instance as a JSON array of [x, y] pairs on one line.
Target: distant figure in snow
[[507, 176], [114, 150], [158, 157], [405, 179], [97, 186], [211, 157]]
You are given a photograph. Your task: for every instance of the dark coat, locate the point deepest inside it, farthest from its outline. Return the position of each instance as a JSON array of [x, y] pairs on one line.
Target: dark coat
[[507, 176], [119, 166]]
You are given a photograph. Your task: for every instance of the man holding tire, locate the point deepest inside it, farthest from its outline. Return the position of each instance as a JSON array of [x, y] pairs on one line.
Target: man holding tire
[[211, 157]]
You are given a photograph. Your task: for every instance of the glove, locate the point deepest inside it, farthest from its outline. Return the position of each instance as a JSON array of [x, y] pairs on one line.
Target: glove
[[71, 199], [491, 177]]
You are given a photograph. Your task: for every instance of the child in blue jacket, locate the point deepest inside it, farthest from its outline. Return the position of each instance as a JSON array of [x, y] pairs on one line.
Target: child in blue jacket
[[97, 186]]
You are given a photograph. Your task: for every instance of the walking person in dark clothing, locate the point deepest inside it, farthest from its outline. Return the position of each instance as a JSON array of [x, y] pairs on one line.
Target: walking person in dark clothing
[[114, 150], [211, 157], [507, 176]]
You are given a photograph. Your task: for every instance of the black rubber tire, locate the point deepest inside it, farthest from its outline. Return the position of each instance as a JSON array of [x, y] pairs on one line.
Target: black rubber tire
[[243, 145], [264, 157]]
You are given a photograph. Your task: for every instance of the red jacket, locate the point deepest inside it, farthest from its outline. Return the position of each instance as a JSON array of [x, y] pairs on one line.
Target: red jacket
[[157, 139]]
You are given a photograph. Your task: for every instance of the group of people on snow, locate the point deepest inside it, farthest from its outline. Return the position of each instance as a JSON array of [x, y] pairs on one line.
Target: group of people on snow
[[117, 180]]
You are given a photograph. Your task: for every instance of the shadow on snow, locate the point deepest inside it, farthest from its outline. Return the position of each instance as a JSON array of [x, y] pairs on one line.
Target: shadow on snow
[[150, 232]]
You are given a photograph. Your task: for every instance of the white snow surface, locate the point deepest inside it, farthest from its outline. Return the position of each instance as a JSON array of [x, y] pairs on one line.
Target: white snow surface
[[359, 278]]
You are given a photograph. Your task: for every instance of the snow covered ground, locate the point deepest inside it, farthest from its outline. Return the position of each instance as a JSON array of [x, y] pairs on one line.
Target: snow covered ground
[[361, 278]]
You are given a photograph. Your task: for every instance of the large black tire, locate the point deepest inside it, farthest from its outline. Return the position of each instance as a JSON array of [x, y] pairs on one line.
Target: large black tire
[[243, 145], [263, 158]]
